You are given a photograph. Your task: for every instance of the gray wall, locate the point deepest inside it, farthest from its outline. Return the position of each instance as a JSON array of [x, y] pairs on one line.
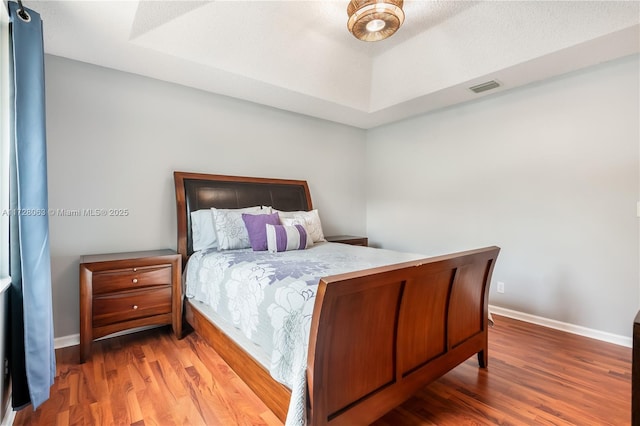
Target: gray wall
[[549, 172], [114, 140]]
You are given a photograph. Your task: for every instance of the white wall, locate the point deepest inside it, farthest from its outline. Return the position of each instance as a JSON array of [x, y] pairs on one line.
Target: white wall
[[549, 172], [114, 140]]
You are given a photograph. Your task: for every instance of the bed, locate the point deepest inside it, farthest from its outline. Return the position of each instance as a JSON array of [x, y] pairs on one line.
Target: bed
[[430, 315]]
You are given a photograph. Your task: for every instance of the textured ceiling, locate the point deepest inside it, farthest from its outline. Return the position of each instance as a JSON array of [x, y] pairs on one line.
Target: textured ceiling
[[298, 55]]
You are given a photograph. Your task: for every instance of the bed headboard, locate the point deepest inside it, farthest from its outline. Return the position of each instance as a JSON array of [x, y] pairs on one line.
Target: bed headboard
[[195, 191]]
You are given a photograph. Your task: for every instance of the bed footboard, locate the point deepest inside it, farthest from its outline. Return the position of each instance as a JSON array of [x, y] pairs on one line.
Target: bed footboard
[[380, 335]]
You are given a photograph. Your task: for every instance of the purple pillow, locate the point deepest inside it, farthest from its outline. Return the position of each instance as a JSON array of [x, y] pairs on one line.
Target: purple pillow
[[257, 228]]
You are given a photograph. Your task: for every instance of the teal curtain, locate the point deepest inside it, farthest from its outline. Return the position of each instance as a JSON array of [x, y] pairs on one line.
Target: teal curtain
[[32, 356]]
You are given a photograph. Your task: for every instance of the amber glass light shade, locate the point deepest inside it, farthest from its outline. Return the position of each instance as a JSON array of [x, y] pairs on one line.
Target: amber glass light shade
[[373, 20]]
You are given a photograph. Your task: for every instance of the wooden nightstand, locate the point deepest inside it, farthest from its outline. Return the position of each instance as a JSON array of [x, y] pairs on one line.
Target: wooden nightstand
[[348, 239], [119, 291]]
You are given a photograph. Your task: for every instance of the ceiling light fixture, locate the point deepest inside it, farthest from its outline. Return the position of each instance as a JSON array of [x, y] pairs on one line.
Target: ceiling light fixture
[[373, 20]]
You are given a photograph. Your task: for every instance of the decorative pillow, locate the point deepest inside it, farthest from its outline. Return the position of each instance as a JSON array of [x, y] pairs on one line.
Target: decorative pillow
[[230, 229], [203, 233], [257, 230], [285, 238], [310, 220]]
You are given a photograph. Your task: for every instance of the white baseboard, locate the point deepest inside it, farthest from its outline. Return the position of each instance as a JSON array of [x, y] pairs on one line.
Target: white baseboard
[[74, 339], [65, 341], [563, 326], [9, 414]]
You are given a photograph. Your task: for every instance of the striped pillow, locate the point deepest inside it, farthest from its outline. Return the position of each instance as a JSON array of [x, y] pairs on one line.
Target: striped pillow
[[284, 238]]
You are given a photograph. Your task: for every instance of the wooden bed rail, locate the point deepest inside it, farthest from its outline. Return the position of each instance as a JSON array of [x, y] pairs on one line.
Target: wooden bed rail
[[378, 336]]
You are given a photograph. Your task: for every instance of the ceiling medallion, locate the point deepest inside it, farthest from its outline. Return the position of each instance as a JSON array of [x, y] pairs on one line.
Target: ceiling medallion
[[373, 20]]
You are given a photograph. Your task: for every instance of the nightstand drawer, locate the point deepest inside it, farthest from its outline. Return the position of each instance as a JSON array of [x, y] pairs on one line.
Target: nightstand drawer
[[130, 278], [119, 307]]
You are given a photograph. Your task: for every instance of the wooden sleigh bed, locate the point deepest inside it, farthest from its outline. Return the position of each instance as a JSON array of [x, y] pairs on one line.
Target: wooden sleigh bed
[[430, 315]]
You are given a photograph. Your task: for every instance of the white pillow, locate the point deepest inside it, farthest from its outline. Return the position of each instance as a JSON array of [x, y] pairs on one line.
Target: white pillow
[[203, 234], [230, 228], [310, 220]]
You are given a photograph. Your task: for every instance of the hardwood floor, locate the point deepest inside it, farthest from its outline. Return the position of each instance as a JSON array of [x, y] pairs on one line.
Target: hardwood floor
[[536, 375], [148, 378]]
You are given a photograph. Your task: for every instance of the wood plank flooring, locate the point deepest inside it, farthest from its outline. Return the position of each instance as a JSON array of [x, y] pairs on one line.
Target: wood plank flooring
[[536, 376]]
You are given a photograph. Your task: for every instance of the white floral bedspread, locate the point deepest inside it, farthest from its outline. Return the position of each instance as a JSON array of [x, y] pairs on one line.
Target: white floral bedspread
[[270, 298]]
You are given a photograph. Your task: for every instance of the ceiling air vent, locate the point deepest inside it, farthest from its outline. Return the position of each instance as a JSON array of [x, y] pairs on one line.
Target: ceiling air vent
[[483, 87]]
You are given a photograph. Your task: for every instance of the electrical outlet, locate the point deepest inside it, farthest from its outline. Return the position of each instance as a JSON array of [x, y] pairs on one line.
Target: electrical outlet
[[500, 287]]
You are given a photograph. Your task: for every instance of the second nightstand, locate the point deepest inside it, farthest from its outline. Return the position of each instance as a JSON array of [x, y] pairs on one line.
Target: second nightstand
[[348, 239], [119, 291]]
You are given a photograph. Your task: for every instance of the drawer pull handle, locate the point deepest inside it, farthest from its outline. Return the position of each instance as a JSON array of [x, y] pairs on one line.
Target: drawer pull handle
[[135, 307], [135, 280], [135, 269]]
